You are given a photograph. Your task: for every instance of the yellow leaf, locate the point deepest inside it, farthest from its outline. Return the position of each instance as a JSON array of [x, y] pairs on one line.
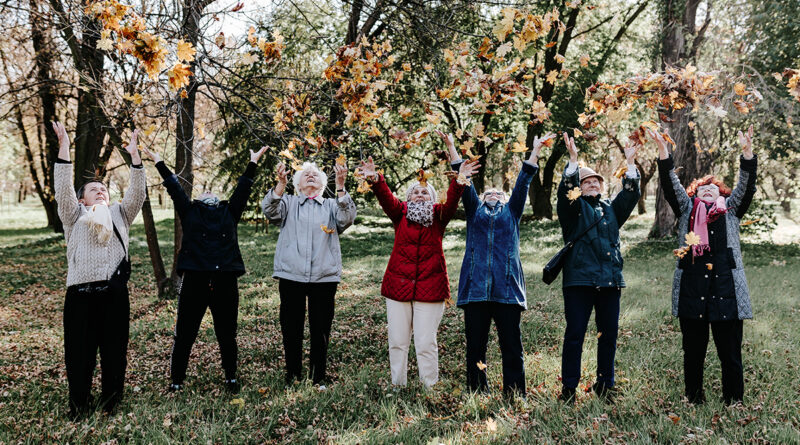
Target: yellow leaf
[[749, 221], [574, 194], [201, 130], [326, 229], [482, 366], [239, 402], [740, 89], [341, 160], [491, 425], [185, 51], [105, 44], [692, 239], [551, 77], [179, 76], [584, 60], [248, 59]]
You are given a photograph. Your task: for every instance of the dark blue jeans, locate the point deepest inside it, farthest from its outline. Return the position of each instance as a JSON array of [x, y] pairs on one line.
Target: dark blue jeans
[[578, 304], [477, 321]]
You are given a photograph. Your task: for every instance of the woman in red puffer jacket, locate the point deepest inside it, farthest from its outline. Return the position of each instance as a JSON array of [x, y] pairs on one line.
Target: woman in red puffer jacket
[[415, 283]]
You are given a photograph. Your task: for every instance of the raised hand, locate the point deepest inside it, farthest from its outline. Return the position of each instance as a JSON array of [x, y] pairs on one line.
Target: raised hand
[[449, 142], [283, 179], [341, 175], [537, 146], [661, 143], [746, 141], [630, 151], [571, 148], [367, 169], [133, 148], [468, 168], [255, 156], [152, 155], [63, 141]]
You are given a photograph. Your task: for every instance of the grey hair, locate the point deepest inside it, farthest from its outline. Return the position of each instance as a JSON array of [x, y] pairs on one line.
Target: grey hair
[[323, 178], [504, 199], [415, 184]]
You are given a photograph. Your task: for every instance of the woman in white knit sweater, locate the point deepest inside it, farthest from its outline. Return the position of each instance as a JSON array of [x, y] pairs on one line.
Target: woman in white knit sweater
[[96, 308]]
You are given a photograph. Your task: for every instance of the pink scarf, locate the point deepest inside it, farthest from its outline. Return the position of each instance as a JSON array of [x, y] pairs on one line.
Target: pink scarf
[[702, 217]]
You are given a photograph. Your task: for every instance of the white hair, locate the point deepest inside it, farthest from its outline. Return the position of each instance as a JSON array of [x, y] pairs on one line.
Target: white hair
[[321, 176], [503, 199], [415, 184]]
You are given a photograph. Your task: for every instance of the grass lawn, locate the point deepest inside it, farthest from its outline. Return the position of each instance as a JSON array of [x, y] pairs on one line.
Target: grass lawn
[[360, 406]]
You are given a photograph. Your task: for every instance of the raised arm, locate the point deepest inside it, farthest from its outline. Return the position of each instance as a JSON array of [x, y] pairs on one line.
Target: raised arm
[[392, 206], [137, 187], [516, 203], [674, 192], [345, 206], [275, 205], [68, 207], [742, 194], [470, 195], [179, 198], [568, 210], [456, 190], [625, 201], [238, 200]]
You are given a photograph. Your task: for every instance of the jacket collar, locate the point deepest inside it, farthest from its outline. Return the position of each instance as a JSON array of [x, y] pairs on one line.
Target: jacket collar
[[593, 200], [304, 199]]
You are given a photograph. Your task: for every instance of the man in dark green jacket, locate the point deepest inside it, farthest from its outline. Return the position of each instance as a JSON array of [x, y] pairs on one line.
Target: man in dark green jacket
[[593, 267]]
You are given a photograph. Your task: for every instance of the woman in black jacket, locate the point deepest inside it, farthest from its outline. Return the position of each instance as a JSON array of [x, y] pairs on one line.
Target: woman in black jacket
[[209, 262], [709, 288]]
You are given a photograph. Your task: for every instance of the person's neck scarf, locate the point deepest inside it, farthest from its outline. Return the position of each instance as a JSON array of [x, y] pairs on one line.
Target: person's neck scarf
[[98, 218], [703, 216], [210, 201], [420, 212]]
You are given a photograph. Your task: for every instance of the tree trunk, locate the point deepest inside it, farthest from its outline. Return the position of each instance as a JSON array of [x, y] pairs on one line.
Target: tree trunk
[[159, 272], [678, 22]]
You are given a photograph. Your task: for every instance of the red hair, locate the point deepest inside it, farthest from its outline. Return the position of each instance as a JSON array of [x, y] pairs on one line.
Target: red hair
[[724, 190]]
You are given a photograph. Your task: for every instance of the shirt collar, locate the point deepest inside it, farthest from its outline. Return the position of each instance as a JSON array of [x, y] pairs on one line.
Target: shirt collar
[[304, 199]]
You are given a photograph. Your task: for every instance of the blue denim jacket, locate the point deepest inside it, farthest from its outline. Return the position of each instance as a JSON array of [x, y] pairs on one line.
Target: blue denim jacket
[[492, 270]]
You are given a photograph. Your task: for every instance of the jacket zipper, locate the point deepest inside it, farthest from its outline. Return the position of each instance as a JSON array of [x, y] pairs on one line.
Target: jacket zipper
[[491, 254], [416, 265]]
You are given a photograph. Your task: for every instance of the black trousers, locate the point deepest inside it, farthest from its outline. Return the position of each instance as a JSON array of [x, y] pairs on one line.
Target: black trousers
[[219, 292], [292, 317], [477, 320], [96, 316], [728, 339]]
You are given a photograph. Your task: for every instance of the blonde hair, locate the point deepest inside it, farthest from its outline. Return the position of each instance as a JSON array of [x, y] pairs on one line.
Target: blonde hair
[[323, 178]]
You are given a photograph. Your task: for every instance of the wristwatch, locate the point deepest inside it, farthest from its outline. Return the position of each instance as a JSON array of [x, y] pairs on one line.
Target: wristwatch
[[341, 190]]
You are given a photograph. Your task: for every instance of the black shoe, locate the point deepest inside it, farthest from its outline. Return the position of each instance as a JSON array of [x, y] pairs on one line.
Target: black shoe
[[175, 387], [567, 395], [696, 398], [607, 393], [232, 386]]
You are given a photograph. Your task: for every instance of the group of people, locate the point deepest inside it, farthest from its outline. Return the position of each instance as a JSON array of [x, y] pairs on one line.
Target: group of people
[[709, 290]]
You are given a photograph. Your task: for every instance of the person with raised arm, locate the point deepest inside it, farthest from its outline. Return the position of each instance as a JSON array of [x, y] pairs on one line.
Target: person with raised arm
[[308, 261], [491, 285], [209, 263], [593, 266], [96, 307], [709, 288], [415, 284]]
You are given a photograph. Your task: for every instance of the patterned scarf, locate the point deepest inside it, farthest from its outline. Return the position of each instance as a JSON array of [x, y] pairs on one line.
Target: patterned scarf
[[420, 212], [703, 216]]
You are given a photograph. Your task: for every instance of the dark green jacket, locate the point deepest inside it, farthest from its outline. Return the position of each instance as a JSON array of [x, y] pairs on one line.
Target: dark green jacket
[[595, 259]]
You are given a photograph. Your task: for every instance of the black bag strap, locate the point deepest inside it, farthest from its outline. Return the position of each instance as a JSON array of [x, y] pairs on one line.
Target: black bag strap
[[585, 231], [119, 237]]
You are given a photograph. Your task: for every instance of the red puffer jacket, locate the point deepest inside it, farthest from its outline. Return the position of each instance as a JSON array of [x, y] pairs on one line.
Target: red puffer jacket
[[416, 270]]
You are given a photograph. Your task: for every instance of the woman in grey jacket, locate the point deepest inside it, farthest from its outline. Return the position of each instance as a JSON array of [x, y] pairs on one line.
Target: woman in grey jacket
[[709, 288], [308, 260]]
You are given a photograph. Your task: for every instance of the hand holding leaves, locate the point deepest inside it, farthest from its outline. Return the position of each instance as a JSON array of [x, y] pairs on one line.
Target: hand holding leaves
[[255, 156], [746, 141], [571, 148], [133, 148], [661, 143], [537, 146], [341, 175]]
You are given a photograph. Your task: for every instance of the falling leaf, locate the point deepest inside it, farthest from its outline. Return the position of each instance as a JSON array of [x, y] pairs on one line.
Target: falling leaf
[[550, 44], [742, 107], [740, 89], [749, 221], [551, 77], [675, 419], [691, 125], [248, 59], [136, 98], [406, 67], [185, 51], [427, 67], [326, 229], [184, 94], [482, 366], [201, 130], [179, 76], [150, 130], [599, 334], [341, 159], [504, 49], [710, 266], [219, 40], [423, 176], [105, 44], [238, 7], [692, 239], [577, 133], [584, 60], [574, 194]]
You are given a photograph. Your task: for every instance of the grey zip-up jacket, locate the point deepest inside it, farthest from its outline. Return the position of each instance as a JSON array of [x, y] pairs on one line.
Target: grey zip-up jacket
[[306, 252]]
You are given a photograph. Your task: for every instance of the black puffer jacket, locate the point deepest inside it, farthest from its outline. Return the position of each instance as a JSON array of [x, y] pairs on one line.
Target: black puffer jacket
[[210, 242]]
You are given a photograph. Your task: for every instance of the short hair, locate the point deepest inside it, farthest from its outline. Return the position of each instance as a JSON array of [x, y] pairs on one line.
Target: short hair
[[431, 190], [724, 190], [79, 192], [493, 189], [323, 178]]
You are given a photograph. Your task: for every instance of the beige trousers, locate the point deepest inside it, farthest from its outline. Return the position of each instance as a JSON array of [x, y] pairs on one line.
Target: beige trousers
[[423, 320]]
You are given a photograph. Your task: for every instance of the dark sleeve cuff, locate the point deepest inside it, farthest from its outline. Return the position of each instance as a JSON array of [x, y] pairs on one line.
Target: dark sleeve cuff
[[250, 171], [748, 165], [163, 170], [529, 168], [666, 164], [61, 161], [456, 165], [137, 165]]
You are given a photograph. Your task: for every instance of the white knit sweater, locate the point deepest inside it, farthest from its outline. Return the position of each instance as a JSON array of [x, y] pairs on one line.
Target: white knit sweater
[[87, 259]]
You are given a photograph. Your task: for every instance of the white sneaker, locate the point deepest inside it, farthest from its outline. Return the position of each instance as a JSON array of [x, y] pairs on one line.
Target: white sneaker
[[323, 388]]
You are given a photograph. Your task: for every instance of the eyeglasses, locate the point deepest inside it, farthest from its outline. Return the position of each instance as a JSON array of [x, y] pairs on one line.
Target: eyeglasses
[[494, 193]]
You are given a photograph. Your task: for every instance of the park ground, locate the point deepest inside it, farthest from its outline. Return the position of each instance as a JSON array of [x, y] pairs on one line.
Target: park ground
[[360, 406]]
